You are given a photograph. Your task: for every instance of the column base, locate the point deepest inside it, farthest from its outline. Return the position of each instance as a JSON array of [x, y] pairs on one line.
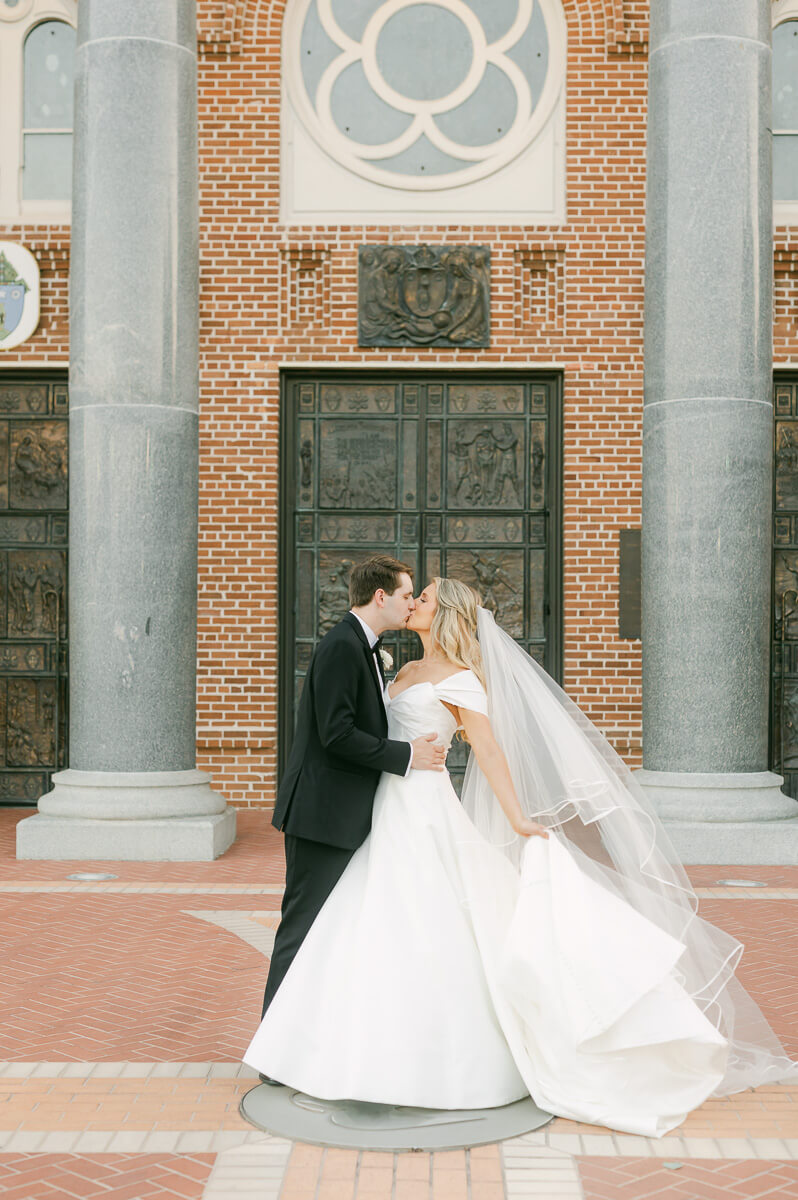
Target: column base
[[735, 818], [736, 843], [174, 839], [144, 816]]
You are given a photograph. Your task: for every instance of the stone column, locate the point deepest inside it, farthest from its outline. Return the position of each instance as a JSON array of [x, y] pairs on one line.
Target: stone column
[[132, 790], [708, 434]]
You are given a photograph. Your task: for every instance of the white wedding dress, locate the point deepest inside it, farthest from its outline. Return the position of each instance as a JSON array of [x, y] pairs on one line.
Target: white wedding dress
[[436, 976]]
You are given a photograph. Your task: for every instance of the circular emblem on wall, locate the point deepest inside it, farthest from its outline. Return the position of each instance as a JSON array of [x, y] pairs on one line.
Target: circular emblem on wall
[[424, 94], [19, 294]]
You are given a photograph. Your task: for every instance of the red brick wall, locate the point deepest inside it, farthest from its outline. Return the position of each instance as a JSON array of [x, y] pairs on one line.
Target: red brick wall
[[272, 297], [785, 296], [288, 296]]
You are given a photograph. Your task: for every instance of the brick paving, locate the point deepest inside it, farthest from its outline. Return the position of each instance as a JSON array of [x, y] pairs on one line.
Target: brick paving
[[129, 1104], [116, 1099], [475, 1174], [706, 875], [769, 932], [121, 1176], [694, 1179], [768, 1111], [112, 977], [127, 1004]]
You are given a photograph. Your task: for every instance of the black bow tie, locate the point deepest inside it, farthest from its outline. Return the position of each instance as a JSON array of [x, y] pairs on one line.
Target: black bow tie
[[377, 645]]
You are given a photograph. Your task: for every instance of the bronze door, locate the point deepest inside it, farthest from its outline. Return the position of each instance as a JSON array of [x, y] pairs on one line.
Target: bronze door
[[784, 619], [33, 573], [454, 474]]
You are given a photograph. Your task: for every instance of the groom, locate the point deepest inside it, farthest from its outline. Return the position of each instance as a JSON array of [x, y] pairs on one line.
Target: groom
[[340, 748]]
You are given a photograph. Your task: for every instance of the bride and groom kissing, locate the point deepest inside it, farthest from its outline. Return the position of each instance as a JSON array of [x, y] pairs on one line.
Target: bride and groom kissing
[[538, 938]]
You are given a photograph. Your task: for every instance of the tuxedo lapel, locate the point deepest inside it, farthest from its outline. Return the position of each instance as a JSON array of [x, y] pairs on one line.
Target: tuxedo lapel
[[372, 669]]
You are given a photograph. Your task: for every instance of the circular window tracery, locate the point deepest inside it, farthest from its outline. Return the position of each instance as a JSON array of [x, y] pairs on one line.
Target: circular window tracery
[[424, 94]]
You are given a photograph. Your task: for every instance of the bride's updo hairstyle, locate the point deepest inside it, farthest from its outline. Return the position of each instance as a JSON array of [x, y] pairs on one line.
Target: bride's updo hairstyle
[[454, 627]]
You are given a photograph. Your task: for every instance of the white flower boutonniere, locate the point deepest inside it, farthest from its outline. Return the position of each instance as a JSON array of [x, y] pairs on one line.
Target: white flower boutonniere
[[387, 661]]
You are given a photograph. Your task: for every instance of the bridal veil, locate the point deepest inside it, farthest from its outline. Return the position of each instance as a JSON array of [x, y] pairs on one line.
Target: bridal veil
[[569, 778]]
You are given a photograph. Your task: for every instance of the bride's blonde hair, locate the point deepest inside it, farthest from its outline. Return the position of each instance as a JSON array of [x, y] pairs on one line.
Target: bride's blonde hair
[[454, 627]]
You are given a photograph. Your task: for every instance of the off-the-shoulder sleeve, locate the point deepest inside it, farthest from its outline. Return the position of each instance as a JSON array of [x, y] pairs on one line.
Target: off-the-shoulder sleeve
[[465, 691]]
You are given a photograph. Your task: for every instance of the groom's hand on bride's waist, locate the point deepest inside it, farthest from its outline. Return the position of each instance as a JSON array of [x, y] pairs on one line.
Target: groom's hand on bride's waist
[[428, 753]]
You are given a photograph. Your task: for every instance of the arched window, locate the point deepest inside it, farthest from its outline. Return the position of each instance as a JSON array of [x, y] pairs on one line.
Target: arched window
[[37, 53], [785, 111], [47, 111]]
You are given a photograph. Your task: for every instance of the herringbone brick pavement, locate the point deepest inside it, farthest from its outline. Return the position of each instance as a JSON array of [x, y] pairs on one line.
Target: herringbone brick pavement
[[108, 977], [769, 932], [110, 1176], [113, 977], [695, 1179]]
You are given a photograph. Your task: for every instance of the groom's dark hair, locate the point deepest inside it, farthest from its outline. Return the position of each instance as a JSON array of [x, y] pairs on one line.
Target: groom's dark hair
[[379, 572]]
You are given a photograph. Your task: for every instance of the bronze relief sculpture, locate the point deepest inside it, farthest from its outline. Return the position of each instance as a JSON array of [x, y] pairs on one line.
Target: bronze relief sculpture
[[424, 296]]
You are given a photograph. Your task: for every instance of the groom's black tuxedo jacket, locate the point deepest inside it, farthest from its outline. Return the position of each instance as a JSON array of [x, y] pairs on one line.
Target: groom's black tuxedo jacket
[[340, 746]]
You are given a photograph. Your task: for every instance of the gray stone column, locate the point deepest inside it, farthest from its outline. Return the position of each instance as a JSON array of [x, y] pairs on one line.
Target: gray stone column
[[132, 789], [707, 435]]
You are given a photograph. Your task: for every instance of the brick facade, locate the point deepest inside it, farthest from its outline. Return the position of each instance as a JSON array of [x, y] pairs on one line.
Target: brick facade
[[567, 296]]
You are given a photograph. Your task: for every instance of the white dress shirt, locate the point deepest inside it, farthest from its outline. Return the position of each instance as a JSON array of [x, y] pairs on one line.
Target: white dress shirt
[[372, 641]]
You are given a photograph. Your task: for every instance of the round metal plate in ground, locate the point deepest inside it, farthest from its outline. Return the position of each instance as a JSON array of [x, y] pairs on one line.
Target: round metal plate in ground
[[742, 883], [91, 876], [350, 1124]]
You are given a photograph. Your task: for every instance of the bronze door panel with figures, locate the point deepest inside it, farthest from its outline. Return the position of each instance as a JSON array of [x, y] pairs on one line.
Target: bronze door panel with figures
[[452, 475], [33, 582]]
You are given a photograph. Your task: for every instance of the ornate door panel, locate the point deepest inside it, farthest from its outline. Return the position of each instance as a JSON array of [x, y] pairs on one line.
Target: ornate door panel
[[33, 573], [784, 656], [455, 475]]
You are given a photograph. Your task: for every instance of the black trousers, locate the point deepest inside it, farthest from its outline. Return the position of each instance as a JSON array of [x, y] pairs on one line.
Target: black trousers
[[312, 870]]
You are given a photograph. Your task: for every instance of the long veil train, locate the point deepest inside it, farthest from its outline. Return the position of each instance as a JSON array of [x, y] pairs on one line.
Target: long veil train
[[570, 779]]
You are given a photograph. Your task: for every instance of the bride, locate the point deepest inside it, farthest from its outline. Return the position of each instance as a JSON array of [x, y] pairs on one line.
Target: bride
[[540, 938]]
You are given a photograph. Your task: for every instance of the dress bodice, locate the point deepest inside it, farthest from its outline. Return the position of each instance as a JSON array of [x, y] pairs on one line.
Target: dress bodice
[[419, 709]]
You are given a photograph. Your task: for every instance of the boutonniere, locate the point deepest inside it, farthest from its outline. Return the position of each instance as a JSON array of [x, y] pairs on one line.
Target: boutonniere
[[387, 660]]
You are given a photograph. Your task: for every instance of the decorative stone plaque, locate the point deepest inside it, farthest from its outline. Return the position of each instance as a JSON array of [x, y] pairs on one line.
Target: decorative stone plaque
[[424, 296]]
